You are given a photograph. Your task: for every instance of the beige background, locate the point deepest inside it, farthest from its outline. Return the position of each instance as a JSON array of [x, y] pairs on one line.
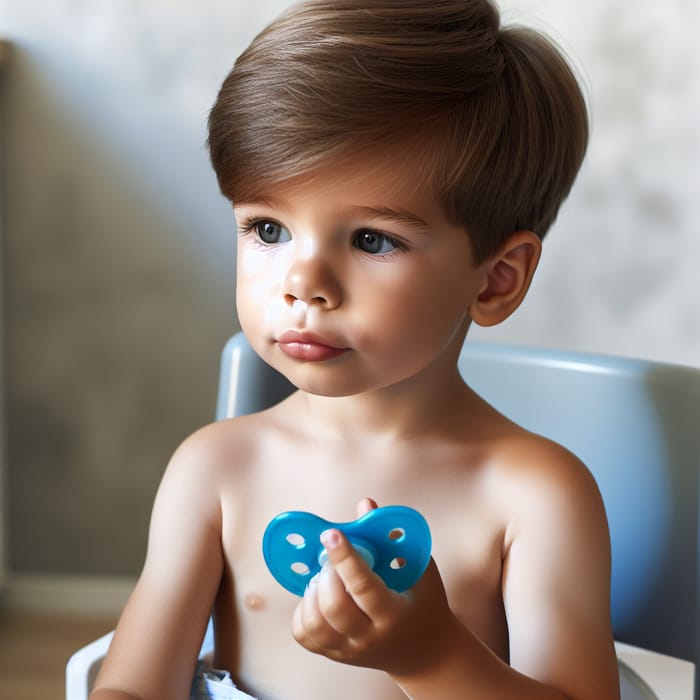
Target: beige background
[[119, 257]]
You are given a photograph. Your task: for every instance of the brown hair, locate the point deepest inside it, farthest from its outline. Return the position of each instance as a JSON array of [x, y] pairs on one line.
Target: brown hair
[[495, 114]]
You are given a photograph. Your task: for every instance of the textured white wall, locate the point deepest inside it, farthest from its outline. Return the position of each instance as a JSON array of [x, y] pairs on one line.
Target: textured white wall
[[119, 250], [620, 271]]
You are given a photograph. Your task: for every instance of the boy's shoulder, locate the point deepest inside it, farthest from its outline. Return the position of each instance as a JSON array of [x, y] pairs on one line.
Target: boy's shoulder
[[209, 466], [527, 474], [513, 454], [225, 444], [538, 481]]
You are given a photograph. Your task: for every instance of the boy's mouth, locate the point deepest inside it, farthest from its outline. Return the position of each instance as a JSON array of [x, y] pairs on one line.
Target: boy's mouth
[[310, 347]]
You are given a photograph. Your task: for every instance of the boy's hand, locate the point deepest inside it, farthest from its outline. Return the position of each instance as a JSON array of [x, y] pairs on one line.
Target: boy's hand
[[349, 615]]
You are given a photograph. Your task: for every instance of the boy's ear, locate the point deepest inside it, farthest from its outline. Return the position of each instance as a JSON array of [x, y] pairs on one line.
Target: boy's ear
[[507, 277]]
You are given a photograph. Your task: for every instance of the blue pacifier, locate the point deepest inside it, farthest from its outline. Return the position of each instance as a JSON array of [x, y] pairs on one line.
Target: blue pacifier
[[394, 541]]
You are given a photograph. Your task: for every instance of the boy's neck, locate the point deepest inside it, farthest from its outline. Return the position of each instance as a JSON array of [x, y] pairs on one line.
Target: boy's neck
[[415, 408]]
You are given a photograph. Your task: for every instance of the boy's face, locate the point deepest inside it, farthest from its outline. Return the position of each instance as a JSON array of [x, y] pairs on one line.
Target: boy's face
[[353, 280]]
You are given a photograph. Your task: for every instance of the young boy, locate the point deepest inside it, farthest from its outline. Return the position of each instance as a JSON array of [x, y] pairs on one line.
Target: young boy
[[393, 167]]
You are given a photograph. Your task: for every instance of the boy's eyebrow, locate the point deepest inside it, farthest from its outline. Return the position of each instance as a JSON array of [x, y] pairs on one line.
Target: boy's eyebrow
[[400, 216], [272, 202]]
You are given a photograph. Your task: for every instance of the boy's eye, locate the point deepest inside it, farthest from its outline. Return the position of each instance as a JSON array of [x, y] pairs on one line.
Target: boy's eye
[[375, 243], [271, 232]]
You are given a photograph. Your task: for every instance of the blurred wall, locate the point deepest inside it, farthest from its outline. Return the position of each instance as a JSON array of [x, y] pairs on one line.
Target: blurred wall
[[4, 499], [119, 252]]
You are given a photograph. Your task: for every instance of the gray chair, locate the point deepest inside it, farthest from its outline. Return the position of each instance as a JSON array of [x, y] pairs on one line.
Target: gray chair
[[636, 424]]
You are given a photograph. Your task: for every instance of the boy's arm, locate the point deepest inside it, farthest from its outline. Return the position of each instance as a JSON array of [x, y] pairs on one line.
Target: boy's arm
[[556, 595], [349, 616], [556, 579], [155, 647]]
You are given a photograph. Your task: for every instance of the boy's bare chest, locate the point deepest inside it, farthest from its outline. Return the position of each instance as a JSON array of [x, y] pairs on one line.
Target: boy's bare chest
[[467, 546]]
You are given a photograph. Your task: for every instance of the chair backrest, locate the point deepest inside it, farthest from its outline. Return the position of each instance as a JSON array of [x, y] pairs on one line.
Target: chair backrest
[[636, 425]]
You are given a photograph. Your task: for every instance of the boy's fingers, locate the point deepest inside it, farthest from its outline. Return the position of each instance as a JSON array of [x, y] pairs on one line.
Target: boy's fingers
[[365, 505], [364, 586], [309, 626], [338, 606]]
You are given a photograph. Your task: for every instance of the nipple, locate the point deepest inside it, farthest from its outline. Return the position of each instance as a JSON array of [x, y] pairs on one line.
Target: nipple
[[254, 602], [299, 309]]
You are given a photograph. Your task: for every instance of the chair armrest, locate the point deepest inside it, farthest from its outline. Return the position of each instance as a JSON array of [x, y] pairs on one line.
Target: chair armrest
[[83, 666], [647, 675]]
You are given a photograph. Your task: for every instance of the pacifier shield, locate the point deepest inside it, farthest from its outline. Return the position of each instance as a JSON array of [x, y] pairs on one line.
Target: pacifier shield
[[395, 542]]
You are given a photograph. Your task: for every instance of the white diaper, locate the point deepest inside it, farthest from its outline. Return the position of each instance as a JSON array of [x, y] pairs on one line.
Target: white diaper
[[210, 684]]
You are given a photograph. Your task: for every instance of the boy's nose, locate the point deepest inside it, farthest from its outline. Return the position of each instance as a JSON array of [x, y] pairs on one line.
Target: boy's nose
[[311, 280]]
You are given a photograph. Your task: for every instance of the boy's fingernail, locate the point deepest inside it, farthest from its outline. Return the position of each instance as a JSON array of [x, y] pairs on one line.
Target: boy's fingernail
[[330, 539]]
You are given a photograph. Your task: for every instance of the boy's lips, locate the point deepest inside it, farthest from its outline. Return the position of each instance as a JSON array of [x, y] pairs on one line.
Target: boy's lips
[[302, 345]]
